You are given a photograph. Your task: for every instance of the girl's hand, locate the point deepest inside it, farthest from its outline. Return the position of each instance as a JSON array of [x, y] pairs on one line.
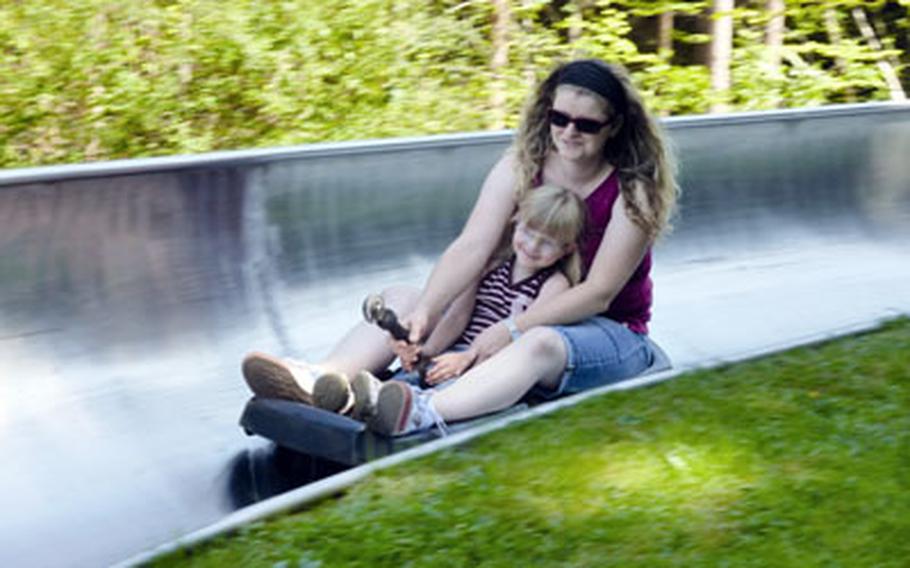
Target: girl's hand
[[491, 341], [450, 365]]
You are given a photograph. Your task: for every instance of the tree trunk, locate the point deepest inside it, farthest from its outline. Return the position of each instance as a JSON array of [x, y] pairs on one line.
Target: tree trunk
[[578, 8], [774, 31], [721, 53], [835, 37], [886, 67], [665, 35], [774, 42], [502, 17]]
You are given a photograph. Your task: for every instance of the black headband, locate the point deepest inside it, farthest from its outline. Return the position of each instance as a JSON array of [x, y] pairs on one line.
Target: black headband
[[598, 79]]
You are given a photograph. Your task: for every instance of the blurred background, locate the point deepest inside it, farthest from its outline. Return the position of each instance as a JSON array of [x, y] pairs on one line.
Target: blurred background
[[99, 80]]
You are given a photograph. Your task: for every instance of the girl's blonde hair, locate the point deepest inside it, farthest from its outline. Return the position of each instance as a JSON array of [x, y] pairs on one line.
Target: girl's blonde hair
[[637, 148], [560, 214]]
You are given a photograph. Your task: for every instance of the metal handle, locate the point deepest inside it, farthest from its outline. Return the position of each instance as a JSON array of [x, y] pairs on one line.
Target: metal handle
[[375, 311]]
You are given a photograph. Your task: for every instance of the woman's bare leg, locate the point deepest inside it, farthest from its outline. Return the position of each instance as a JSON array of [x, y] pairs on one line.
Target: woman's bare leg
[[538, 357], [365, 346]]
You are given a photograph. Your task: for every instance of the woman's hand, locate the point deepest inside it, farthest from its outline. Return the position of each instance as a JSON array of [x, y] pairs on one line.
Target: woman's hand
[[491, 341], [418, 324], [408, 353], [450, 365]]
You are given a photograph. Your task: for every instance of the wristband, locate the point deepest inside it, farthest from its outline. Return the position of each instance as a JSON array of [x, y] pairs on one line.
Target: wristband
[[513, 329]]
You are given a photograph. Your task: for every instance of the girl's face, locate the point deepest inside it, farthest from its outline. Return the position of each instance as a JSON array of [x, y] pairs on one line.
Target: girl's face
[[571, 143], [535, 249]]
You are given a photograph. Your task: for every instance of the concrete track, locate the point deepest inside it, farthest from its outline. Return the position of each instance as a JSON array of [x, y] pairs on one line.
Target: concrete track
[[130, 290]]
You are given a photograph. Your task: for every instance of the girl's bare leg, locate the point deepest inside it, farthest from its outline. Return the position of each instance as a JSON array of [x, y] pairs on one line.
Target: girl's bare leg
[[365, 346], [538, 357]]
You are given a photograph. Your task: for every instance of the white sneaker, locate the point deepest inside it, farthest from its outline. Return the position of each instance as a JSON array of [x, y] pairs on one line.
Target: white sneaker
[[401, 409], [271, 377], [332, 392], [365, 387]]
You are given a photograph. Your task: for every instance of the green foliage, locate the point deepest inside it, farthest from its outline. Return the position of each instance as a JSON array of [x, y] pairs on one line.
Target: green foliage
[[827, 58], [98, 79], [675, 89], [95, 79], [799, 459]]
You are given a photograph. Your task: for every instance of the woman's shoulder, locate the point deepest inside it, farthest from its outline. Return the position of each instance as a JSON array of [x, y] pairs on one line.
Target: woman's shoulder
[[493, 207], [503, 174]]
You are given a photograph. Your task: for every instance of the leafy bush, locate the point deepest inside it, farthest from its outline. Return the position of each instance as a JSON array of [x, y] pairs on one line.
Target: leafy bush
[[97, 79]]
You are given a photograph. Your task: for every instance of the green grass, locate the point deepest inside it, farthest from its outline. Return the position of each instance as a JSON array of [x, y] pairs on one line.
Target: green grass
[[800, 459]]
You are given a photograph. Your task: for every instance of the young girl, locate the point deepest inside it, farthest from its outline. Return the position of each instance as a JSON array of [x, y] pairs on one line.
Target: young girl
[[539, 260]]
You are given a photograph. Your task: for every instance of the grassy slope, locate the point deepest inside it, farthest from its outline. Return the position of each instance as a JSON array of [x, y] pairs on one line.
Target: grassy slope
[[799, 459]]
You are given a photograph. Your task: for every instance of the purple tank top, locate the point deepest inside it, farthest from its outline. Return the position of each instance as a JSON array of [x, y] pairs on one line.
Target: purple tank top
[[632, 306]]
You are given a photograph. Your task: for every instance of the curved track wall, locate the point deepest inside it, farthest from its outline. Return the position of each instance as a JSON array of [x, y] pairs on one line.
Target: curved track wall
[[130, 290]]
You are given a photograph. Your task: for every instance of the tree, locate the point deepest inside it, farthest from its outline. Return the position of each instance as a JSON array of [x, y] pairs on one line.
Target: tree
[[502, 22], [95, 79], [721, 53], [885, 64], [774, 40]]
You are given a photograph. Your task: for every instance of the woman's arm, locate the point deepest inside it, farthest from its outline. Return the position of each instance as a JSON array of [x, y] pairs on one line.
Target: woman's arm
[[465, 258], [452, 324]]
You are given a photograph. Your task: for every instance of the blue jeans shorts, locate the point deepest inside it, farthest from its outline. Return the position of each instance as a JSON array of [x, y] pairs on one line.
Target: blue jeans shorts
[[600, 352]]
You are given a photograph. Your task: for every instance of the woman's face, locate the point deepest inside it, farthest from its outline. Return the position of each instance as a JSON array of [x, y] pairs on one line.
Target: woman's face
[[570, 143]]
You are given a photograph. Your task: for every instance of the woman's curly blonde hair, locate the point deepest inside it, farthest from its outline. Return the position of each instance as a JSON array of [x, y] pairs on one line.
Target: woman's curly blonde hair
[[637, 149]]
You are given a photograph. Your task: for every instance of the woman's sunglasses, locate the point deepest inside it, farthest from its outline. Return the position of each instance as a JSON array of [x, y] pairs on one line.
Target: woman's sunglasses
[[583, 125]]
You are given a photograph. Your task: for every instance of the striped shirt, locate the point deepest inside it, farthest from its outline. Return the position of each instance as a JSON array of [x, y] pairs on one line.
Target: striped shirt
[[497, 298]]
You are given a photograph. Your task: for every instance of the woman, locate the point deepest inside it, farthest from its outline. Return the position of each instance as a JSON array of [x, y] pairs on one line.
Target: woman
[[585, 129]]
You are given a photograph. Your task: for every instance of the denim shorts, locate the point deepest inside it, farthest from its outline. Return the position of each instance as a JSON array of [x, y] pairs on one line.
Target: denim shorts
[[600, 352]]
